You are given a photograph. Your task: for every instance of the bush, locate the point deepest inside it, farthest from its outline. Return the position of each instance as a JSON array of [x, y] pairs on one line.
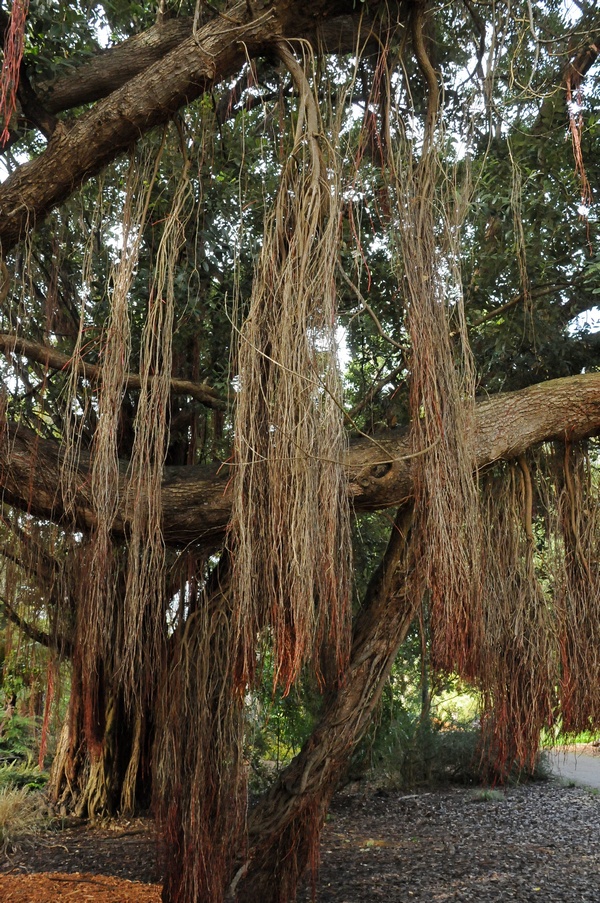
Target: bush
[[429, 756], [412, 753], [18, 738], [25, 775]]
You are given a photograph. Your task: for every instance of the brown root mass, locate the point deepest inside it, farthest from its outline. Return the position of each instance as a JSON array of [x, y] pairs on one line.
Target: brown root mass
[[290, 534]]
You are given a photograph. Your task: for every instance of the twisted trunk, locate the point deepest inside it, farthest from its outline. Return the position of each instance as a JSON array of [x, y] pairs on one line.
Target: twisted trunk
[[285, 827]]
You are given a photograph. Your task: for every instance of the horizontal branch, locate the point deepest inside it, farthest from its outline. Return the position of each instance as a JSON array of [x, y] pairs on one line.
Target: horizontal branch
[[56, 360], [196, 500], [81, 148], [109, 69], [64, 647]]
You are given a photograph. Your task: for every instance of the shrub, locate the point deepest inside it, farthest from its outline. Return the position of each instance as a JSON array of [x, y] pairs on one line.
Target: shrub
[[25, 775]]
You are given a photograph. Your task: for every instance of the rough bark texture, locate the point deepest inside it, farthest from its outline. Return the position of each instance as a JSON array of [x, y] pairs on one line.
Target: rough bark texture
[[284, 828], [111, 68], [196, 500], [174, 78]]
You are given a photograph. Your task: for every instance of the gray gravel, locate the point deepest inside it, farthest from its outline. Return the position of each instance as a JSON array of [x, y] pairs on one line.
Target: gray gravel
[[539, 842]]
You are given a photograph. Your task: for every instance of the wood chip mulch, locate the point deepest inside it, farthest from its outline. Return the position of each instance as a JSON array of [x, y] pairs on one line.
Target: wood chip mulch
[[78, 887]]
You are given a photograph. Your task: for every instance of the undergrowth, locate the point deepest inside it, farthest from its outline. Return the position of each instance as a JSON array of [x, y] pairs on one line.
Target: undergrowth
[[26, 775], [410, 754], [20, 816]]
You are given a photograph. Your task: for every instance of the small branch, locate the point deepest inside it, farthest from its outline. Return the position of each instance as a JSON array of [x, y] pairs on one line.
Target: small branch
[[374, 390], [58, 644], [49, 357], [370, 311], [497, 311], [572, 75], [480, 26]]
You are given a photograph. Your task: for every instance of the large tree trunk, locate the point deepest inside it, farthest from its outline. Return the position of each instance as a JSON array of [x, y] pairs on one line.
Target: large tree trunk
[[285, 827], [110, 776]]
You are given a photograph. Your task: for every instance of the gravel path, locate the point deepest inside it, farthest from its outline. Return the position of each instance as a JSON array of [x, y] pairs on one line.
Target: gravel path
[[538, 842], [533, 843]]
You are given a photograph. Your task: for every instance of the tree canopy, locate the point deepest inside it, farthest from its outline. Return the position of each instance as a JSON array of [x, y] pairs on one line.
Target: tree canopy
[[267, 268]]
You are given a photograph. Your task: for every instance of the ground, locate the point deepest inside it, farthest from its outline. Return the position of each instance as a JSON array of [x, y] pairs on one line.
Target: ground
[[536, 842]]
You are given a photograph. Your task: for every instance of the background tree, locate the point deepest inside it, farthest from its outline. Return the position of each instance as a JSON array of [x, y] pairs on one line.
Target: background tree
[[196, 200]]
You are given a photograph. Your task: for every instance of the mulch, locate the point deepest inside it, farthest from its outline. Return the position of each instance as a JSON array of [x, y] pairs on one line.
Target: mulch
[[537, 842], [80, 888]]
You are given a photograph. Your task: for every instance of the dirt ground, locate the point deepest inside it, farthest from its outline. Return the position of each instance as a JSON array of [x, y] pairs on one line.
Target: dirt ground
[[539, 842]]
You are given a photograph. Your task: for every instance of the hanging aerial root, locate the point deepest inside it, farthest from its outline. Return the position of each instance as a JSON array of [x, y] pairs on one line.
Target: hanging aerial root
[[199, 772], [14, 43], [145, 594], [290, 535], [577, 590], [99, 629], [446, 532], [518, 666]]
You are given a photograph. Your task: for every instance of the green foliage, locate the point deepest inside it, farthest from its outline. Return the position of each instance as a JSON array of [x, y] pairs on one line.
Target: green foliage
[[426, 730], [279, 725], [18, 738], [414, 753], [22, 775], [487, 795], [557, 737]]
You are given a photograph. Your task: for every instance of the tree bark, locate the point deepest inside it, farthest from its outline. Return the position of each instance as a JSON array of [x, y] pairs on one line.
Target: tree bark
[[81, 148], [285, 826], [196, 500], [111, 68], [115, 779]]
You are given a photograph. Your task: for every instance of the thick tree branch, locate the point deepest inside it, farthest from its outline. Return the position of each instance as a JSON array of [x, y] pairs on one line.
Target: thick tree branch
[[196, 500], [56, 360], [110, 69], [80, 150]]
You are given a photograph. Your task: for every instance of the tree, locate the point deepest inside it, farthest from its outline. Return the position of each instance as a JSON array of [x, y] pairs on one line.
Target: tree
[[188, 217]]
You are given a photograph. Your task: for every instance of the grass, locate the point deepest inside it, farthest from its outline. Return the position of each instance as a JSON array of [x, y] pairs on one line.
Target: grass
[[487, 795], [20, 815], [553, 738]]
